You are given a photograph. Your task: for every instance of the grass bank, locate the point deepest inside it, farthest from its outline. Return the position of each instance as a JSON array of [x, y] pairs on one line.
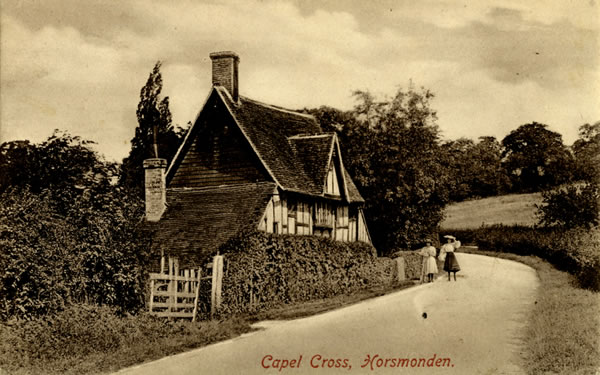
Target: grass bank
[[513, 209], [563, 331], [88, 339]]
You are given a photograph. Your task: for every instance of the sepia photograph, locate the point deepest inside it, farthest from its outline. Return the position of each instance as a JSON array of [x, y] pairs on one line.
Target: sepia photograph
[[299, 187]]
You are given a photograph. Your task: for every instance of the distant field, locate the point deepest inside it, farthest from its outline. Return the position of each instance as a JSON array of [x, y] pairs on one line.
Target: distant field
[[506, 209]]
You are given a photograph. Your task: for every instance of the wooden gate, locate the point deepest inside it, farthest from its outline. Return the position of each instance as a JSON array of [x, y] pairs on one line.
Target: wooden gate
[[175, 293]]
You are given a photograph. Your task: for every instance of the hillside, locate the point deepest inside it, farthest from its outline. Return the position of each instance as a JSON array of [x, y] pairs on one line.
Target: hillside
[[506, 209]]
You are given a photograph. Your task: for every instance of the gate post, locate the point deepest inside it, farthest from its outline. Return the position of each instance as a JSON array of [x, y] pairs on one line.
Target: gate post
[[217, 279]]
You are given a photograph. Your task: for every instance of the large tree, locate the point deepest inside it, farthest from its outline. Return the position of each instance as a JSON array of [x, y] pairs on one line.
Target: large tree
[[155, 135], [391, 149], [536, 158], [475, 168], [63, 166], [587, 152]]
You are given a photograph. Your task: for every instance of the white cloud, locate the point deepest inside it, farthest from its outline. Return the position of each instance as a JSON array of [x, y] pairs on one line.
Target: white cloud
[[87, 79]]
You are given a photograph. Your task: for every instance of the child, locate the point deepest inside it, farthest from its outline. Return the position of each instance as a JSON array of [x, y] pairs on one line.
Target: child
[[429, 263]]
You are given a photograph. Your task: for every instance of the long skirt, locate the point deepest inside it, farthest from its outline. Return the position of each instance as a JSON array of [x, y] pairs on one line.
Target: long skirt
[[451, 264], [429, 265]]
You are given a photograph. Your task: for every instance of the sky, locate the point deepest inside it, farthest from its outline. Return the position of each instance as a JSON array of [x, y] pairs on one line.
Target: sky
[[79, 66]]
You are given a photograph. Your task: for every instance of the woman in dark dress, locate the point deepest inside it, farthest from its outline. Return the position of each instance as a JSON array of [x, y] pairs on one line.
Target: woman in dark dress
[[447, 253]]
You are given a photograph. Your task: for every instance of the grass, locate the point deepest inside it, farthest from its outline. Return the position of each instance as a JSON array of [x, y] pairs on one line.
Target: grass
[[94, 341], [514, 209], [27, 350], [563, 332]]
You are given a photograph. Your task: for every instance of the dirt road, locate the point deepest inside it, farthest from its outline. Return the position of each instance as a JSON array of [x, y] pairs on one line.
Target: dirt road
[[472, 326]]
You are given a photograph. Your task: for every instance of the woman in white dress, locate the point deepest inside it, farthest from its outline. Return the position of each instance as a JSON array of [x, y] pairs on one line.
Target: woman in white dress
[[447, 255], [429, 263]]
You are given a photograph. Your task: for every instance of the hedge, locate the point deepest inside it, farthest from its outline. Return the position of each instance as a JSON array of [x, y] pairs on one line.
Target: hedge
[[270, 270], [576, 251]]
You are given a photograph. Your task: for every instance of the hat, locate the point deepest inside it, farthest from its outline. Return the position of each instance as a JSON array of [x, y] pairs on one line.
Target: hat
[[427, 240], [450, 237]]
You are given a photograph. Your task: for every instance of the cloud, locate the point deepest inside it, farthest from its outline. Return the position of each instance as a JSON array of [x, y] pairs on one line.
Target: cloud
[[61, 80], [80, 66]]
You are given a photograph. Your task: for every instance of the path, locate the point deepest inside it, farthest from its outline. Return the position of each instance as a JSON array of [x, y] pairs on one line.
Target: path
[[474, 325]]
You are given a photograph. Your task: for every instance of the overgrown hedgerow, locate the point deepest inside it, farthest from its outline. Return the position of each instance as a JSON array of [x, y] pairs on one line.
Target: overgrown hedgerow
[[266, 270], [576, 251]]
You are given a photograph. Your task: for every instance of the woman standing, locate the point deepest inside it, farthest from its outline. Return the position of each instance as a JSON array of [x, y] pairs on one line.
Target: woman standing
[[447, 255], [429, 263]]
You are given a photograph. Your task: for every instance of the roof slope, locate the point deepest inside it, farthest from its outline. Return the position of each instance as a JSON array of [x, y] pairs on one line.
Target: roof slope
[[268, 128], [353, 193], [314, 153], [197, 221], [290, 145]]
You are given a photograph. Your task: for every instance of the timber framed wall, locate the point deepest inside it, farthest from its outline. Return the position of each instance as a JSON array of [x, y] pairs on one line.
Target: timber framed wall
[[305, 216]]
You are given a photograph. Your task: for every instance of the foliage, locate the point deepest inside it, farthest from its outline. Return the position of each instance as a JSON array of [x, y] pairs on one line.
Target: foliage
[[536, 158], [587, 152], [276, 269], [85, 339], [154, 127], [67, 234], [475, 168], [571, 206], [64, 166], [413, 264], [50, 260], [576, 251], [391, 150]]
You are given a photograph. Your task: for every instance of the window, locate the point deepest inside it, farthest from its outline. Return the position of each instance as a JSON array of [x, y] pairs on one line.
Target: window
[[324, 215]]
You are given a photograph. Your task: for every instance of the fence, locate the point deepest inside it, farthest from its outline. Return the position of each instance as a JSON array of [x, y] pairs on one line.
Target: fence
[[175, 294]]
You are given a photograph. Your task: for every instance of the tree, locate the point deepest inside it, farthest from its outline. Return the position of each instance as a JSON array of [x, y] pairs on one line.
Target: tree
[[63, 166], [67, 233], [587, 152], [155, 135], [536, 158], [391, 149], [475, 168], [571, 206]]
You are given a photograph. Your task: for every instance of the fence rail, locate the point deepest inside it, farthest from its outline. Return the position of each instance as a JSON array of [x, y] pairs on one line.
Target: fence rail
[[175, 294]]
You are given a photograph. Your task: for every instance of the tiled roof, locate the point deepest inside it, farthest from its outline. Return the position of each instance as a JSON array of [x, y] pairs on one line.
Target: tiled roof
[[291, 144], [353, 193], [197, 221], [313, 153], [268, 128]]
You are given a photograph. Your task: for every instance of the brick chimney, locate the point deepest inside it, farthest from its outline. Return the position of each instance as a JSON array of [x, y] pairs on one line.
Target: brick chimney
[[225, 71], [155, 186]]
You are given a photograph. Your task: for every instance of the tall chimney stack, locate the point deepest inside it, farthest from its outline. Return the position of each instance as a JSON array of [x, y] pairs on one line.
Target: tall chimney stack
[[225, 71], [155, 186]]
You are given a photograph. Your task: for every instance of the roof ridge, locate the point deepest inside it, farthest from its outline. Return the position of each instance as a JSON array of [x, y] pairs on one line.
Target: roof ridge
[[278, 108], [220, 187], [307, 136]]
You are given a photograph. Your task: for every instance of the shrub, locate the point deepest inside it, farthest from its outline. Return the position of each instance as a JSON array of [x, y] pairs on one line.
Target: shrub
[[413, 263], [50, 260], [270, 270], [571, 206], [576, 251]]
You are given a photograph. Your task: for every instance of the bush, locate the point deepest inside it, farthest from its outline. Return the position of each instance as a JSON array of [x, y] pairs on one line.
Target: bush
[[571, 206], [270, 270], [413, 263], [576, 251], [50, 260]]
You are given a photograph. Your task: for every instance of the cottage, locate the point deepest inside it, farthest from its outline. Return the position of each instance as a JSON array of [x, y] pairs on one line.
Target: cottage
[[244, 164]]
